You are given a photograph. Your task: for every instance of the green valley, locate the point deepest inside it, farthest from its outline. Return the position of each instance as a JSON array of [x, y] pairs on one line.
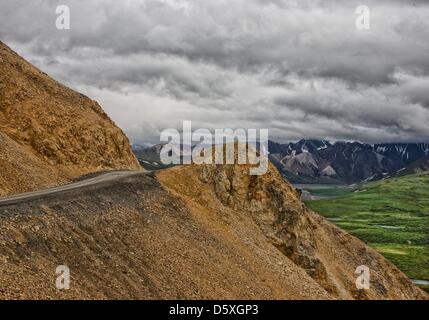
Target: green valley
[[391, 215]]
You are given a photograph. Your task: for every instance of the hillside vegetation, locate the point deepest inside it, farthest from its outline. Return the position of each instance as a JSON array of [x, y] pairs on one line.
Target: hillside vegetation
[[391, 216]]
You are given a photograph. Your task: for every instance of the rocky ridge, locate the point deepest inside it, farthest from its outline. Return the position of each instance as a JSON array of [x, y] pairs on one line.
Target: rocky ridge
[[327, 254]]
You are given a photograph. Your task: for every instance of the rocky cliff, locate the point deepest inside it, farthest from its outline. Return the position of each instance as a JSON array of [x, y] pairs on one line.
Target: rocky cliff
[[49, 133], [327, 254]]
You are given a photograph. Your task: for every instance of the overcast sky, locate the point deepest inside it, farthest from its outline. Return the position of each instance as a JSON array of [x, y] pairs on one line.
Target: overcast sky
[[300, 68]]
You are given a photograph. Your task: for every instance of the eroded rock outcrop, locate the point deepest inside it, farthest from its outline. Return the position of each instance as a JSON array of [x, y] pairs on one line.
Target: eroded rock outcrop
[[329, 255]]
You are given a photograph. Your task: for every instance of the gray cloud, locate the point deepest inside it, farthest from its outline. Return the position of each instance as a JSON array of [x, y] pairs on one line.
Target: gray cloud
[[299, 68]]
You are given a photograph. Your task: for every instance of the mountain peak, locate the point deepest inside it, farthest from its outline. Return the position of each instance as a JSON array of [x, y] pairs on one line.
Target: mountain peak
[[58, 133], [347, 161]]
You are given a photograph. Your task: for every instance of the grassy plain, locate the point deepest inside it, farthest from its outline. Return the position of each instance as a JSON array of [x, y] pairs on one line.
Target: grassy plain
[[391, 215]]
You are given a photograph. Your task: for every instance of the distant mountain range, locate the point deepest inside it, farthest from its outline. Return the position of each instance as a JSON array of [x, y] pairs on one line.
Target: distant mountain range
[[322, 161], [149, 156]]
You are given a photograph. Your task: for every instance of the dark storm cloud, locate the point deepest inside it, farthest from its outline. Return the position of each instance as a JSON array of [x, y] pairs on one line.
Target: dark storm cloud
[[300, 68]]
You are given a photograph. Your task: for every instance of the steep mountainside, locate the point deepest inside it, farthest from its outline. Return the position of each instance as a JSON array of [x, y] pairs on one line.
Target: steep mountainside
[[209, 232], [320, 161], [133, 239], [327, 254], [50, 134]]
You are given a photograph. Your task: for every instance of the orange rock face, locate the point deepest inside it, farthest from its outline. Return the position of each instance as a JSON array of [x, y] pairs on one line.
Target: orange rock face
[[53, 132]]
